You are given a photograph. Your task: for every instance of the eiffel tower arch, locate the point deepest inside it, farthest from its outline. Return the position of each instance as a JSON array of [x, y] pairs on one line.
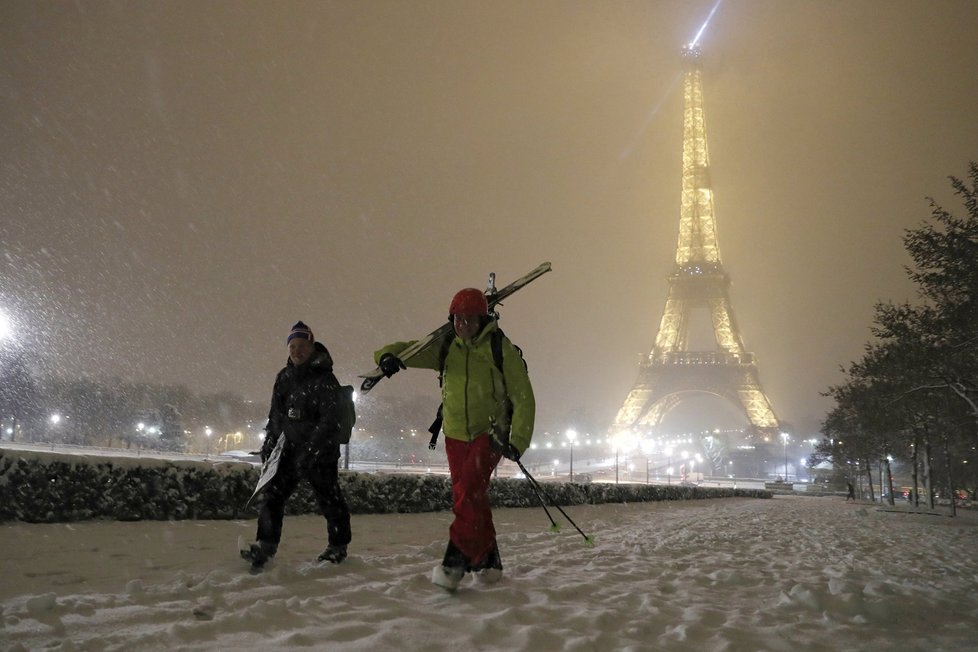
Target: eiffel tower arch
[[672, 373]]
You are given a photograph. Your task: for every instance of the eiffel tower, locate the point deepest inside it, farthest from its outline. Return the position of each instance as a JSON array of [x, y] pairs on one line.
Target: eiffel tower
[[672, 372]]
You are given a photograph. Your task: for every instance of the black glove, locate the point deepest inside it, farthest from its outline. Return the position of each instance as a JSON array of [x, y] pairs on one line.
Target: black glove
[[506, 449], [510, 452], [390, 364]]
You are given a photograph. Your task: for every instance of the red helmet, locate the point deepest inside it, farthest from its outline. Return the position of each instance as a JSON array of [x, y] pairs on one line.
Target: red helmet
[[469, 301]]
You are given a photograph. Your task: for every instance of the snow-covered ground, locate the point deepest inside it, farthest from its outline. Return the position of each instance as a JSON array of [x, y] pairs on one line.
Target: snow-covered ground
[[790, 573]]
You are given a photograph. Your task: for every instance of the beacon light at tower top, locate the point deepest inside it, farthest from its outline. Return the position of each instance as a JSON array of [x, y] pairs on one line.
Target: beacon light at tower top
[[696, 39]]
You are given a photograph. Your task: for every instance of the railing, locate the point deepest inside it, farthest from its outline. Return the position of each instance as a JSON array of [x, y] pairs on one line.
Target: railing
[[598, 470], [702, 358], [105, 451]]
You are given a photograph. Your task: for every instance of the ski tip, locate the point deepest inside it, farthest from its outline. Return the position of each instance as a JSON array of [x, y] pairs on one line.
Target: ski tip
[[554, 528], [369, 380], [589, 542]]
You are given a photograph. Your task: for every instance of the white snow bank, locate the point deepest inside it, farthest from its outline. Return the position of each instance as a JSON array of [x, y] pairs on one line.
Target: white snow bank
[[791, 573]]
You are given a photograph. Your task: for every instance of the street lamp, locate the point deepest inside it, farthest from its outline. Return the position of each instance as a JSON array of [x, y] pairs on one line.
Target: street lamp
[[784, 440], [571, 436], [616, 463], [6, 331]]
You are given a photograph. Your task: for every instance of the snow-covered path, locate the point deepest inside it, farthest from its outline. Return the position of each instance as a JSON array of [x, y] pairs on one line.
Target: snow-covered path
[[791, 573]]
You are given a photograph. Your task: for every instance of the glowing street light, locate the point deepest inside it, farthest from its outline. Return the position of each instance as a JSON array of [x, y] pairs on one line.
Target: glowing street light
[[571, 436], [6, 330], [784, 439]]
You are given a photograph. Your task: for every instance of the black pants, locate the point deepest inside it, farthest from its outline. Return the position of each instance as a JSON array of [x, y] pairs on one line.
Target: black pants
[[323, 475]]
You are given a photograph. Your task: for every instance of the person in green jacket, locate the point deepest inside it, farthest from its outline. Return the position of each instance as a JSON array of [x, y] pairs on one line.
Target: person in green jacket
[[488, 414]]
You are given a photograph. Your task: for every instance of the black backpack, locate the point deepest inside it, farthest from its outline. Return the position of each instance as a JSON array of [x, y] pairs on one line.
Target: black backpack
[[347, 412]]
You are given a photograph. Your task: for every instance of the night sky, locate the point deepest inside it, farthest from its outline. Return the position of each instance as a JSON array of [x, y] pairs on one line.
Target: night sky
[[182, 181]]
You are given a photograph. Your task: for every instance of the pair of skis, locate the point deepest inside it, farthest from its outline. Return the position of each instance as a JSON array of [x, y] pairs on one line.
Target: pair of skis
[[494, 297]]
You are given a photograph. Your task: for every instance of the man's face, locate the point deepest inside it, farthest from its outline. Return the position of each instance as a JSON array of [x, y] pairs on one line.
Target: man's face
[[466, 326], [299, 350]]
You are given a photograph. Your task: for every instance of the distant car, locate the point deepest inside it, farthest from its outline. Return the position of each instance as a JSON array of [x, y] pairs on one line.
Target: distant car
[[582, 478]]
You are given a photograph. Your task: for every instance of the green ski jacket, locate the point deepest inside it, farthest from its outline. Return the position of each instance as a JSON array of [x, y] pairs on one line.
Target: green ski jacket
[[474, 390]]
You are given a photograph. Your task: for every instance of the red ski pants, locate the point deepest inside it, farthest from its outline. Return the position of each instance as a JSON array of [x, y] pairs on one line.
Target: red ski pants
[[471, 465]]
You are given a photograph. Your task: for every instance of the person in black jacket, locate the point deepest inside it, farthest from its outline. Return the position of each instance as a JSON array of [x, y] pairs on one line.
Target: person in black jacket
[[305, 411]]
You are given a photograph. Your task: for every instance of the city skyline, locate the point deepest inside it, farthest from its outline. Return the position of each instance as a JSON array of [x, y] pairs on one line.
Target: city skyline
[[183, 182]]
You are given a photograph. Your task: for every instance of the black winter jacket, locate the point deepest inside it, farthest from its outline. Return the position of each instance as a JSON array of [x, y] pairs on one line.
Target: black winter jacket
[[304, 404]]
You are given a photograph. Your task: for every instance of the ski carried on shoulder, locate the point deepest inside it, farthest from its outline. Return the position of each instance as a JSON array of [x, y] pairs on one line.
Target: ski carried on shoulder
[[493, 297]]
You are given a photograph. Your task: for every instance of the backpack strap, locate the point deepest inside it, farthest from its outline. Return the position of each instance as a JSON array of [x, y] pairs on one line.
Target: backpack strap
[[496, 343], [446, 344], [435, 426]]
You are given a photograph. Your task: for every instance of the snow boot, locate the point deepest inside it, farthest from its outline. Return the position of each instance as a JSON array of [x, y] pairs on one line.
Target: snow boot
[[259, 553], [490, 569], [447, 577], [452, 569], [333, 554]]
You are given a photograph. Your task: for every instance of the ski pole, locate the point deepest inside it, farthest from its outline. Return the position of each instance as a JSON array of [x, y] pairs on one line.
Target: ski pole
[[538, 489], [553, 524]]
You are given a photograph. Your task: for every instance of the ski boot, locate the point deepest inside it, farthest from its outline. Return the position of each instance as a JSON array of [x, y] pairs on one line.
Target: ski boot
[[447, 577], [259, 553], [490, 569], [333, 554], [451, 570]]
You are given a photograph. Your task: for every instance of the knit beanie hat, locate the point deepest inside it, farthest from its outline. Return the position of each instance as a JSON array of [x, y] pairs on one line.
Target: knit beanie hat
[[301, 331]]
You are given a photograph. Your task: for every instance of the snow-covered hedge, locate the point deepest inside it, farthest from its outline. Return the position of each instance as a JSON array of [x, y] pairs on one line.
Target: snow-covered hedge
[[54, 487], [58, 487]]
